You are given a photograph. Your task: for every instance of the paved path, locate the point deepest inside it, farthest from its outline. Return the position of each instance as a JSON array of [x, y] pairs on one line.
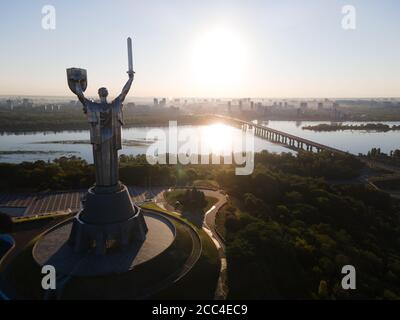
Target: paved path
[[380, 165], [40, 203], [210, 228], [48, 202], [188, 265]]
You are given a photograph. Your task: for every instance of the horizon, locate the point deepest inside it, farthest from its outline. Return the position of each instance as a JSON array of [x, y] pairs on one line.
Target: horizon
[[212, 49], [151, 97]]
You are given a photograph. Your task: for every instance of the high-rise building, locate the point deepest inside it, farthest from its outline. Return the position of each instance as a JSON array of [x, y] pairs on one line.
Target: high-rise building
[[10, 104], [27, 103]]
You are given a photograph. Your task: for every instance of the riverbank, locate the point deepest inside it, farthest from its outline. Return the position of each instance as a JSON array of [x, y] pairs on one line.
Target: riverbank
[[377, 127], [75, 120]]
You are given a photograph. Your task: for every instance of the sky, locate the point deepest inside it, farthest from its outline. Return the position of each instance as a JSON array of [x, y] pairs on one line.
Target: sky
[[208, 48]]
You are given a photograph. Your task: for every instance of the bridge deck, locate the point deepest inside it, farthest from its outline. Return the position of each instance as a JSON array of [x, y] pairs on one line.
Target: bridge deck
[[283, 134]]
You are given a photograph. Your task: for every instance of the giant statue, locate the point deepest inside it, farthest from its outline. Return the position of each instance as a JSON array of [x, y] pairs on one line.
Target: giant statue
[[108, 217], [105, 121]]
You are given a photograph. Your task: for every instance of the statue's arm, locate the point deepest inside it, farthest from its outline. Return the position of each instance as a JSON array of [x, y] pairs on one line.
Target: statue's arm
[[81, 96], [126, 87]]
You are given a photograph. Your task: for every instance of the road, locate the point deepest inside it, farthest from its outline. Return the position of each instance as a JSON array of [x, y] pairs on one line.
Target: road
[[57, 201], [379, 165], [210, 228]]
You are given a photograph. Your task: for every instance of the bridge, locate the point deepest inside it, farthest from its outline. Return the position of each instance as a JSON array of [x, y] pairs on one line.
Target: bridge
[[279, 137]]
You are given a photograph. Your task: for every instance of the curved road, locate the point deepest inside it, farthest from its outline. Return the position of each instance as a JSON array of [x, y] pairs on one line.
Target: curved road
[[139, 195], [210, 228], [189, 263]]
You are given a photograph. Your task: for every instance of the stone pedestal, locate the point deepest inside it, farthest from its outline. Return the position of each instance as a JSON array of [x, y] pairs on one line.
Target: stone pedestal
[[108, 221]]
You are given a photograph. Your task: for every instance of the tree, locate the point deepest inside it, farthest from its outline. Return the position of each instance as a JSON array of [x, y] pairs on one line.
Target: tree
[[323, 289], [6, 223]]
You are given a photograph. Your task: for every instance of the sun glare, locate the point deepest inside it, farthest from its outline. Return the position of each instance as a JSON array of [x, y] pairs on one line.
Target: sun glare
[[218, 137], [218, 59]]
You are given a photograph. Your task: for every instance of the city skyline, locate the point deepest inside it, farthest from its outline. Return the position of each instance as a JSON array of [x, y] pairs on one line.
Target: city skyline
[[213, 49]]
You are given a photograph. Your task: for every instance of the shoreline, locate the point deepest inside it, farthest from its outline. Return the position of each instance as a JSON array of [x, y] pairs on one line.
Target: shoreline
[[197, 122], [369, 126]]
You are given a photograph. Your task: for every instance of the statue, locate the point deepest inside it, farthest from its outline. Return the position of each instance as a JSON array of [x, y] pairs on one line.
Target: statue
[[109, 218], [105, 123]]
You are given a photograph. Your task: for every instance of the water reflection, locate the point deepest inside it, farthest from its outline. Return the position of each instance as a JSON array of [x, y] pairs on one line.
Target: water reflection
[[218, 138]]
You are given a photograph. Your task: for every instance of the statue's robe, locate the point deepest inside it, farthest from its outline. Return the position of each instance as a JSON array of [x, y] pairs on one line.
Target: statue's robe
[[105, 136]]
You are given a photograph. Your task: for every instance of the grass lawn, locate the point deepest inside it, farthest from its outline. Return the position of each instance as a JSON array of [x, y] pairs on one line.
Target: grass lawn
[[220, 222], [173, 196], [210, 202], [205, 184], [19, 273], [194, 216], [134, 283], [202, 280], [23, 276], [153, 206]]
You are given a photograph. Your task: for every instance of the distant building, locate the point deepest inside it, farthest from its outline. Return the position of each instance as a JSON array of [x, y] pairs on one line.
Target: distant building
[[26, 103], [10, 104], [155, 101]]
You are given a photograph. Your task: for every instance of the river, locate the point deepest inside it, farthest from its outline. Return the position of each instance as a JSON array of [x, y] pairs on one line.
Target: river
[[16, 148]]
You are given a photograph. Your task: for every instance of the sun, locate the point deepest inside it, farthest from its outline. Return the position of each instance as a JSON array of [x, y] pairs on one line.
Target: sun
[[218, 138], [218, 59]]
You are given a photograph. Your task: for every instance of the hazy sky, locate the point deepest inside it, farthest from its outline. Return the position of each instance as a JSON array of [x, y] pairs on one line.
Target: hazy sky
[[249, 48]]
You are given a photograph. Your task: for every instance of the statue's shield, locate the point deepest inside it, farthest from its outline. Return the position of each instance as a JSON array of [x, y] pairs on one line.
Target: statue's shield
[[75, 75]]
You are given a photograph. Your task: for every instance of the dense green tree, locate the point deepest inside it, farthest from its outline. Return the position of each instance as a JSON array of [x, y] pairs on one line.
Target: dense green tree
[[6, 224], [311, 230]]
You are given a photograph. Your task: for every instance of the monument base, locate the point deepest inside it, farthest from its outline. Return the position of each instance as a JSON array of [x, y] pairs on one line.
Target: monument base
[[52, 248], [108, 221], [143, 270]]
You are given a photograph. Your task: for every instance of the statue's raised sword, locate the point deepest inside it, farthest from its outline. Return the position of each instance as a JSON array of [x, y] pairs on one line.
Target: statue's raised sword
[[130, 58]]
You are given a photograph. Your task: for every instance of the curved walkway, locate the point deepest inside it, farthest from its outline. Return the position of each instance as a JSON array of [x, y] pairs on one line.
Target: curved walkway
[[210, 228], [189, 263], [139, 195]]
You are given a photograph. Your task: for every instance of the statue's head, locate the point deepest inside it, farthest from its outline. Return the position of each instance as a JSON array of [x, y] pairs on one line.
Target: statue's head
[[103, 93]]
